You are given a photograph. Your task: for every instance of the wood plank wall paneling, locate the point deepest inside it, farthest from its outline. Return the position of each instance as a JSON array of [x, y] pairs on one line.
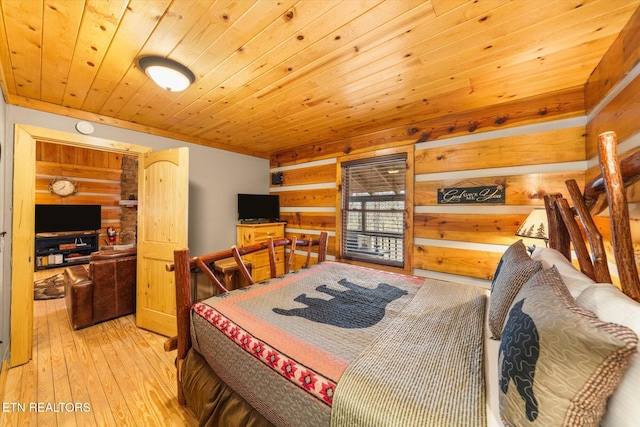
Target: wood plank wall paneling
[[520, 189], [437, 223], [462, 262], [621, 57], [565, 145], [311, 197], [97, 173], [499, 226], [310, 220], [309, 175], [477, 228], [619, 115]]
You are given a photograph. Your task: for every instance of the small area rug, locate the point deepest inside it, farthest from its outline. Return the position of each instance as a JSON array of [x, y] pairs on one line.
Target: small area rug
[[49, 288]]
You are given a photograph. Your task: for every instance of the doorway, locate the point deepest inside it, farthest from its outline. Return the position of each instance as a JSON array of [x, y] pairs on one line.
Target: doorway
[[22, 267]]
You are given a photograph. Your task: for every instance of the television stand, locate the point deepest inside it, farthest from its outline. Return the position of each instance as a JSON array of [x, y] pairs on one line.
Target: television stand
[[55, 250]]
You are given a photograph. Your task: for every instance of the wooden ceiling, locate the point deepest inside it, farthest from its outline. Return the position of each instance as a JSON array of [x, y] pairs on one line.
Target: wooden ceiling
[[274, 75]]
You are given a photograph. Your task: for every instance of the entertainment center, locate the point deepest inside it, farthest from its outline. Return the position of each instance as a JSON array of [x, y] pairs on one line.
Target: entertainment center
[[66, 234], [55, 250]]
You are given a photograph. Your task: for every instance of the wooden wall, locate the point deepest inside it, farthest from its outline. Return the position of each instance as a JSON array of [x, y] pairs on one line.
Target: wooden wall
[[97, 173], [530, 154]]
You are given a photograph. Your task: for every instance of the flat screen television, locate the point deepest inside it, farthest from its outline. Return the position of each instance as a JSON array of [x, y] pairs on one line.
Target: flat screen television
[[258, 207], [65, 218]]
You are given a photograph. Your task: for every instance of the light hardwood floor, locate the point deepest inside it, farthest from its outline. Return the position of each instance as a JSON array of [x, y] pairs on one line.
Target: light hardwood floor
[[110, 374]]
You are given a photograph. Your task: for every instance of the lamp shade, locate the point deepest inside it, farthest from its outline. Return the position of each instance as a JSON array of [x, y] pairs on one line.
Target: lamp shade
[[167, 73], [535, 226]]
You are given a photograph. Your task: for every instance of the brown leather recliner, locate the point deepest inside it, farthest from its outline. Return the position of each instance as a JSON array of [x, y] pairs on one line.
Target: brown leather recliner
[[106, 291]]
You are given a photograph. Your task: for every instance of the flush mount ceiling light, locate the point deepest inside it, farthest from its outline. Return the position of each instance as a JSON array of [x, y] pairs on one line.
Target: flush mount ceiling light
[[167, 73]]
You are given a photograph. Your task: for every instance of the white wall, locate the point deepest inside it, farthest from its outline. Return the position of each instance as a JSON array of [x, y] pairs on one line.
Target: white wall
[[215, 178]]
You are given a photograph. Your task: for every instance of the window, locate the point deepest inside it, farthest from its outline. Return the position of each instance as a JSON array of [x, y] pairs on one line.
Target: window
[[373, 209]]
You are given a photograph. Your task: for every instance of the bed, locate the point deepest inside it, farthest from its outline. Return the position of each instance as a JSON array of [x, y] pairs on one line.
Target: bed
[[336, 344]]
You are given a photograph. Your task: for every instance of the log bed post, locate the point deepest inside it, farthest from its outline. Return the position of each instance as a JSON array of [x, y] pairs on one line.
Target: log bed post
[[558, 233], [183, 307], [568, 217], [619, 215], [600, 266], [323, 243]]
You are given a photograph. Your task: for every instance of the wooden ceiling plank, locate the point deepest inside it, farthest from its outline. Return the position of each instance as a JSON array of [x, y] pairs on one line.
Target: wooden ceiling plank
[[525, 69], [97, 29], [239, 101], [23, 26], [373, 35], [138, 22], [317, 114], [366, 125], [365, 63], [222, 45], [6, 76], [62, 22], [430, 65], [171, 28], [210, 21], [517, 82], [278, 58], [434, 66], [266, 49], [381, 55], [397, 67], [445, 6], [564, 70], [549, 36]]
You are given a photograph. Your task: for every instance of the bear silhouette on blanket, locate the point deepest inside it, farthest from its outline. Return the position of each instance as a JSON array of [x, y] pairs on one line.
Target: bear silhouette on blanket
[[355, 307], [519, 349]]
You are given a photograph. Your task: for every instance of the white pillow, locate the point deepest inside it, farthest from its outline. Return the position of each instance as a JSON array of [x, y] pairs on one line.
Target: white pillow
[[611, 305], [574, 279]]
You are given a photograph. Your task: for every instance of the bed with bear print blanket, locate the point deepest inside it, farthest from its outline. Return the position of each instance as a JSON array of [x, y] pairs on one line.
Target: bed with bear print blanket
[[286, 344], [337, 344]]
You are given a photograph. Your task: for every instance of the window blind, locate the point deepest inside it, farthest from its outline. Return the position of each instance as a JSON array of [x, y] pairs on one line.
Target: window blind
[[373, 209]]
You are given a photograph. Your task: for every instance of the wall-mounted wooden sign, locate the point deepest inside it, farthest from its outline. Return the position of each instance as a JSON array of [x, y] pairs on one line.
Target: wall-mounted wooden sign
[[471, 195]]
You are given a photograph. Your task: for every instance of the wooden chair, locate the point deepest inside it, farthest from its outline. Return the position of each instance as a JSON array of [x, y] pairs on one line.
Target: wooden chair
[[321, 242], [294, 243]]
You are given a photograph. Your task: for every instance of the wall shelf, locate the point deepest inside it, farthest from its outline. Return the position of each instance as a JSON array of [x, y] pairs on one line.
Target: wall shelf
[[129, 203]]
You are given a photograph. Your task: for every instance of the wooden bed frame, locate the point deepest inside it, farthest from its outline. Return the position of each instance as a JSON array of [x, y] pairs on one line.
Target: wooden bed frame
[[609, 189], [563, 229], [183, 266]]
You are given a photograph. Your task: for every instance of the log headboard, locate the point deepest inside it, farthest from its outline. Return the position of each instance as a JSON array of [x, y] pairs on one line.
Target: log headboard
[[607, 190]]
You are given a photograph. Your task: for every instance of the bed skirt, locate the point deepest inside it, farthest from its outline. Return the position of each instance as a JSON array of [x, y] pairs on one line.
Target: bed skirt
[[213, 403]]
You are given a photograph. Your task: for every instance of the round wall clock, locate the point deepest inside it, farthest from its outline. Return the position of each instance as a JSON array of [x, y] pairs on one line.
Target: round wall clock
[[63, 187]]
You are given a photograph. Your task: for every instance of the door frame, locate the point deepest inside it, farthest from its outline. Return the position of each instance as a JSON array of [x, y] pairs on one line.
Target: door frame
[[23, 223]]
